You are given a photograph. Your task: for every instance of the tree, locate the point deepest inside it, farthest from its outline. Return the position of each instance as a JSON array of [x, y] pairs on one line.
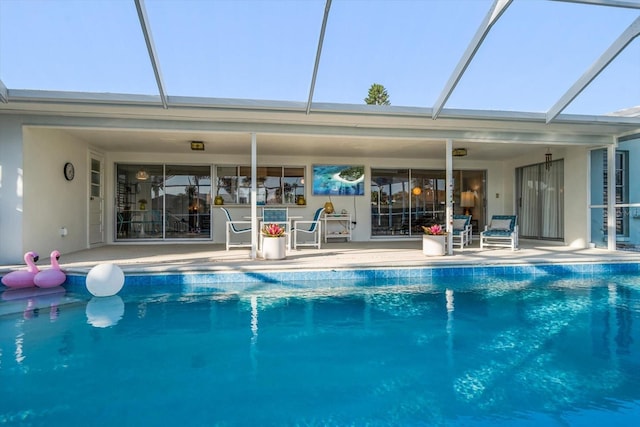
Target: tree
[[377, 95]]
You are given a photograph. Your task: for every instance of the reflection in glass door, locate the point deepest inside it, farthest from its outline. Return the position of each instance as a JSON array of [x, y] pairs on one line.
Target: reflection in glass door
[[428, 196], [187, 192], [389, 202], [404, 200], [163, 202]]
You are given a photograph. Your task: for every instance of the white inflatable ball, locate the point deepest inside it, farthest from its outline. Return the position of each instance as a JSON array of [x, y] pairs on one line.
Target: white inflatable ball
[[105, 280], [105, 312]]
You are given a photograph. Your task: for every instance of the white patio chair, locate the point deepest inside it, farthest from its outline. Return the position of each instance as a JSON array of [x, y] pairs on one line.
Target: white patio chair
[[238, 228], [278, 216], [311, 228], [502, 231]]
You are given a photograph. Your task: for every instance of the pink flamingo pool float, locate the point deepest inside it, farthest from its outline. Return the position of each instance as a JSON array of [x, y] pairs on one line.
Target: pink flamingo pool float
[[52, 277], [23, 278]]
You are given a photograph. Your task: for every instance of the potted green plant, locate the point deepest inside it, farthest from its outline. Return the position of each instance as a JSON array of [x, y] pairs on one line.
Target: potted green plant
[[274, 243], [434, 240]]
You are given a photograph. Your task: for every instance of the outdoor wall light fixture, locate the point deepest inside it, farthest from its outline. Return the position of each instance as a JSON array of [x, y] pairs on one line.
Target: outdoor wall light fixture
[[459, 152], [142, 175], [547, 160], [197, 145], [416, 191]]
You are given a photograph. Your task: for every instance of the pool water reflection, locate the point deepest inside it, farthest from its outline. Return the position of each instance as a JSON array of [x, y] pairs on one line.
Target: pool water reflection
[[550, 351]]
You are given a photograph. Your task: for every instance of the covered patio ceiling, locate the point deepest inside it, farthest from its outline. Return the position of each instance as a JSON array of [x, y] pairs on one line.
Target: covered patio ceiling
[[305, 68], [235, 143]]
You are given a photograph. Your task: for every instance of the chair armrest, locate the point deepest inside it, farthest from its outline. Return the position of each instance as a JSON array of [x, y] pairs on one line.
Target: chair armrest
[[295, 224]]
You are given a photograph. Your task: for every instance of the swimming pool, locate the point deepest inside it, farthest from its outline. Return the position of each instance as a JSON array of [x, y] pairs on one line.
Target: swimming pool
[[453, 351]]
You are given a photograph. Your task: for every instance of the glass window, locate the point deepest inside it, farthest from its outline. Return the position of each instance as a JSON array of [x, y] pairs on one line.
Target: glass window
[[96, 174], [621, 188], [227, 184], [627, 202], [293, 185], [404, 200], [276, 185], [188, 201], [163, 201]]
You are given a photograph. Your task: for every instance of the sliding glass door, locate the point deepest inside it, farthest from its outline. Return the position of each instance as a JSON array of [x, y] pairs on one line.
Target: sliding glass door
[[390, 202], [626, 196], [187, 192], [162, 202], [404, 200], [541, 200]]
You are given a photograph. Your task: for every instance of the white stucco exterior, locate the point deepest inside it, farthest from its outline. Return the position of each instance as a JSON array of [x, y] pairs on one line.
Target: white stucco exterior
[[36, 201]]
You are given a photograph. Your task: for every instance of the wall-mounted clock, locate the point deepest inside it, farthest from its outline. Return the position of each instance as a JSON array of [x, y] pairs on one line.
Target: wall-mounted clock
[[69, 171]]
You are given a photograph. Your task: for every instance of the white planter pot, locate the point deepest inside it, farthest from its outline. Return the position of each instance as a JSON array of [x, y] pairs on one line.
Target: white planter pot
[[433, 245], [274, 247]]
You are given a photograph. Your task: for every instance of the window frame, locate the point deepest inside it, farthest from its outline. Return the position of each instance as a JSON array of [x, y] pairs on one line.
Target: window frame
[[236, 189]]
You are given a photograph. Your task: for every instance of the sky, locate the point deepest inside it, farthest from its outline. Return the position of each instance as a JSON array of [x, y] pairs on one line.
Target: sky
[[263, 49]]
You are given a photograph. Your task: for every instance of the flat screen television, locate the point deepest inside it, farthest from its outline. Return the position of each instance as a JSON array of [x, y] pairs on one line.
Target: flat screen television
[[338, 180]]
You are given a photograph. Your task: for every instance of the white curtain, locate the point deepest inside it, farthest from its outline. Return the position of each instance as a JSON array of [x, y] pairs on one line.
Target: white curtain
[[542, 201], [552, 200], [528, 216]]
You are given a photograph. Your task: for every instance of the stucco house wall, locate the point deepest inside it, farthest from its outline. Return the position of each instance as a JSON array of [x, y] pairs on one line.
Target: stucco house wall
[[11, 189], [576, 184], [50, 201], [36, 200], [576, 179]]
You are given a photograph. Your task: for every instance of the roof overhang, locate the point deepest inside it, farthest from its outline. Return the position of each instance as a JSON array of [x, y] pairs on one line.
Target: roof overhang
[[339, 119]]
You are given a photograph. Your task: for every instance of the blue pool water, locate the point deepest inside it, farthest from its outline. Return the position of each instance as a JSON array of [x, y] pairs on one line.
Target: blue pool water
[[452, 352]]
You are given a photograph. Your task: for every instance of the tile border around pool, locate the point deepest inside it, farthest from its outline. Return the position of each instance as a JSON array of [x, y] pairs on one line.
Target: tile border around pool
[[272, 277]]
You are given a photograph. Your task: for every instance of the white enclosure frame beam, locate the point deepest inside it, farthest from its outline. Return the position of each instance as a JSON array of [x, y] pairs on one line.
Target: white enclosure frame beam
[[146, 31], [496, 11], [631, 4], [601, 63], [316, 65]]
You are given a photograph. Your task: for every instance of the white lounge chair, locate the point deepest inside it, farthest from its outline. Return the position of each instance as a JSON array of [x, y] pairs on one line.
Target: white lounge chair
[[462, 231], [502, 231]]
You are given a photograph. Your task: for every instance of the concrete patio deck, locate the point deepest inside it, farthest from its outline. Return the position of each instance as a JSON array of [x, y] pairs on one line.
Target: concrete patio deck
[[176, 258]]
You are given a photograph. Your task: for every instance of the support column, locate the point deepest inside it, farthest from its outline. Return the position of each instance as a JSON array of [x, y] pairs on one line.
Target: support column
[[449, 195], [254, 197], [611, 198]]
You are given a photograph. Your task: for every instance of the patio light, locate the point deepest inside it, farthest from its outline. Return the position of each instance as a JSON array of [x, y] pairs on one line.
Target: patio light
[[142, 175]]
